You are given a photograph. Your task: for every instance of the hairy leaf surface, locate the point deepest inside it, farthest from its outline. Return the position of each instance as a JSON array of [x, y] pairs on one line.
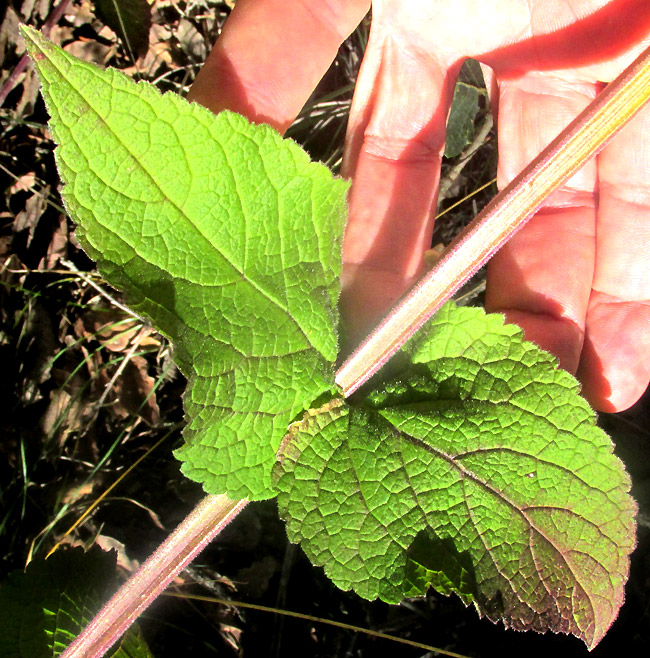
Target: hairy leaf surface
[[479, 470], [222, 233]]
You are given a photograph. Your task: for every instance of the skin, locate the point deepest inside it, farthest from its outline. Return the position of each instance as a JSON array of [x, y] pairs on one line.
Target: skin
[[576, 278]]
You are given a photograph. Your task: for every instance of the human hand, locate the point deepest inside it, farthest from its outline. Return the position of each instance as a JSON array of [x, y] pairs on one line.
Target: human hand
[[576, 277]]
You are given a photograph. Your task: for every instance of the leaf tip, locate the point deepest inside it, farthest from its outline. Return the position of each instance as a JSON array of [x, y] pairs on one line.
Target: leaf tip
[[34, 41]]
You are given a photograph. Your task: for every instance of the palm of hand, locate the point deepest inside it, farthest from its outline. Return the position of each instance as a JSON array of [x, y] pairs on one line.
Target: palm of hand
[[576, 277]]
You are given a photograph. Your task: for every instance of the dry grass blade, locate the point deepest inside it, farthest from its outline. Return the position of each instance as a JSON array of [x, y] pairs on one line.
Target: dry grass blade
[[320, 620]]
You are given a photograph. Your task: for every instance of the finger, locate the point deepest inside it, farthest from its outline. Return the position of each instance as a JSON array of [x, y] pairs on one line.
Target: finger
[[394, 147], [615, 365], [542, 277], [271, 55]]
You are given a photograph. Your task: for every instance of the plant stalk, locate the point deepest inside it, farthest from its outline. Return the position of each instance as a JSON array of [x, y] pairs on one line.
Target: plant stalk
[[196, 531], [501, 218]]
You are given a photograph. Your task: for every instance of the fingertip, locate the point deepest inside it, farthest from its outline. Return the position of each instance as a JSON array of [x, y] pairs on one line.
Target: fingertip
[[558, 335], [615, 364], [612, 390], [256, 67]]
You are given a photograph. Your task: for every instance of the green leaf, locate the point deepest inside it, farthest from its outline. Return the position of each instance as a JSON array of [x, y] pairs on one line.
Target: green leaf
[[222, 233], [472, 74], [130, 20], [45, 607], [460, 125], [478, 469]]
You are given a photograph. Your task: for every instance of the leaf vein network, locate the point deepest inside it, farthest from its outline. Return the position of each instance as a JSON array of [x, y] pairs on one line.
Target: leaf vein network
[[254, 284], [537, 458], [469, 475]]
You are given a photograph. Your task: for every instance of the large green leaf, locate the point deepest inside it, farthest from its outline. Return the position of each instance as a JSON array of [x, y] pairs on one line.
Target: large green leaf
[[478, 469], [222, 233], [45, 607]]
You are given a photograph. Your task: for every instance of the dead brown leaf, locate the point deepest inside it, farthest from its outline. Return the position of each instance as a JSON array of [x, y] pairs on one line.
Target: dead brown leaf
[[58, 246], [23, 183], [123, 560], [76, 492], [27, 219], [254, 580], [113, 329], [159, 53], [10, 45], [62, 34], [133, 392], [67, 410], [193, 42], [90, 50], [35, 10], [31, 89]]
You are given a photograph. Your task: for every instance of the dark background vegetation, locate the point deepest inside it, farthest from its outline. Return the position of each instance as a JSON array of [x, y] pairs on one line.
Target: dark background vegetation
[[88, 389]]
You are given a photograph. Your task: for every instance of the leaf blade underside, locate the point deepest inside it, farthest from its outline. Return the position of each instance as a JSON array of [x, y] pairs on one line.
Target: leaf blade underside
[[222, 233], [478, 470]]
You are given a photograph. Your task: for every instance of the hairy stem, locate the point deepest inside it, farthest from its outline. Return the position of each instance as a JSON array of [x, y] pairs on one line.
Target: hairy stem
[[501, 219], [508, 212]]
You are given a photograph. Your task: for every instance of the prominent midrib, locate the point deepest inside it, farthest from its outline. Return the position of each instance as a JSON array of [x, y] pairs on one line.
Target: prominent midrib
[[463, 472], [266, 293]]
